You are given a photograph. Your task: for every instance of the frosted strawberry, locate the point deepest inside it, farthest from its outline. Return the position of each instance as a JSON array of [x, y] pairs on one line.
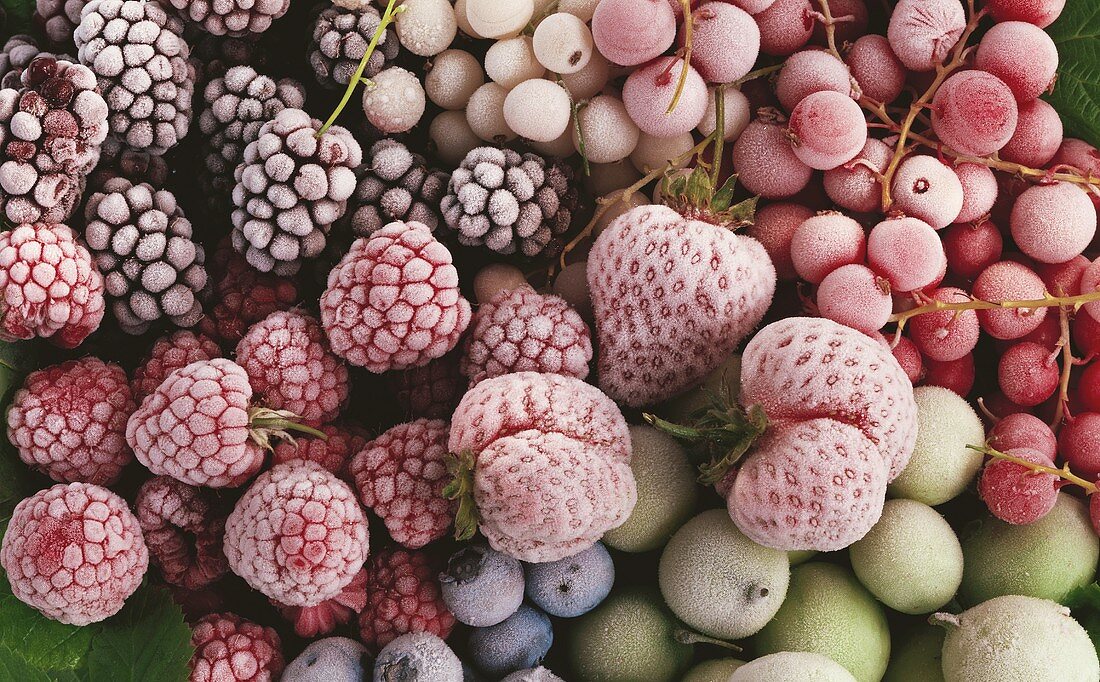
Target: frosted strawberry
[[674, 291], [543, 465]]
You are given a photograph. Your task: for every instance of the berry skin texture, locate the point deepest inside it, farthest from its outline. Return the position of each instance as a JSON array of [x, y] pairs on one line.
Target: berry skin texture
[[168, 354], [632, 32], [828, 130], [766, 163], [1079, 444], [182, 531], [195, 426], [482, 586], [979, 187], [700, 290], [402, 597], [242, 296], [290, 367], [974, 113], [1042, 13], [928, 189], [907, 252], [1028, 373], [1023, 430], [856, 297], [393, 300], [572, 586], [334, 453], [810, 71], [74, 552], [49, 285], [954, 375], [1000, 51], [1016, 494], [923, 32], [854, 186], [972, 247], [1039, 134], [333, 659], [648, 91], [725, 42], [785, 27], [521, 641], [524, 331], [297, 535], [824, 243], [774, 227], [69, 421], [229, 648], [537, 110], [323, 618], [400, 476], [1053, 223], [881, 76], [1009, 281], [946, 335], [418, 656]]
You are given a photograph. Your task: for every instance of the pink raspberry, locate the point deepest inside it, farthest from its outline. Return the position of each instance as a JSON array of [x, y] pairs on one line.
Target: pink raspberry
[[74, 552], [49, 286], [198, 426], [403, 596], [297, 535], [69, 421], [290, 367], [183, 532], [241, 296], [401, 475], [312, 621], [229, 648], [334, 452], [546, 459], [524, 331], [393, 302], [432, 390], [168, 354]]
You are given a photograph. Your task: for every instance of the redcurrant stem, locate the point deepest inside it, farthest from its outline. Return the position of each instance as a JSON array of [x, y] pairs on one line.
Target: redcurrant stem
[[830, 28], [719, 134], [1064, 473], [935, 306], [1062, 409], [689, 19], [388, 17], [753, 75]]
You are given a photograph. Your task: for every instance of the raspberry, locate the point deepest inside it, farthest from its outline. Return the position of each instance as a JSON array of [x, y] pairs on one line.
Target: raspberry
[[393, 301], [525, 331], [74, 552], [1016, 494], [432, 390], [403, 597], [168, 354], [401, 475], [311, 621], [69, 421], [49, 286], [242, 296], [291, 368], [334, 452], [297, 535], [182, 531], [229, 648]]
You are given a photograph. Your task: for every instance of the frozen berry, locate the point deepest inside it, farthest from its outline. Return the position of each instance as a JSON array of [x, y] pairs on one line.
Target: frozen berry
[[1016, 494], [240, 295], [824, 243], [1009, 281], [323, 618], [974, 112], [855, 296], [810, 71], [827, 130], [766, 164], [923, 32], [432, 390], [168, 354], [972, 247], [907, 252], [955, 375], [183, 531], [1023, 430], [520, 641], [229, 648], [632, 32], [648, 93], [482, 586], [725, 42], [1053, 223], [875, 67], [403, 597], [572, 586], [1079, 444], [418, 656], [1038, 135], [946, 335], [928, 189], [1028, 373], [785, 26], [333, 659], [774, 226], [333, 452], [980, 191], [1002, 52]]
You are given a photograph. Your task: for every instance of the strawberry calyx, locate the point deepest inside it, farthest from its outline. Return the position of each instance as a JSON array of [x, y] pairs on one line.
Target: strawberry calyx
[[461, 488], [265, 424], [695, 197]]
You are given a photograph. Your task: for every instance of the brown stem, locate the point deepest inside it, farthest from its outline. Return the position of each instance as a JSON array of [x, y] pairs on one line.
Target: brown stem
[[1048, 301], [689, 20], [830, 28], [1066, 348]]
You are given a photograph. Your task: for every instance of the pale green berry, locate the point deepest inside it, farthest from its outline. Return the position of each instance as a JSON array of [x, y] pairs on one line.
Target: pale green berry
[[916, 656], [792, 666], [718, 670], [725, 381]]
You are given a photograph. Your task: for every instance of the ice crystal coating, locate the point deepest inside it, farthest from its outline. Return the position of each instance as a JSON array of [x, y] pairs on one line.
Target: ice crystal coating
[[403, 599], [183, 531], [229, 648], [340, 39]]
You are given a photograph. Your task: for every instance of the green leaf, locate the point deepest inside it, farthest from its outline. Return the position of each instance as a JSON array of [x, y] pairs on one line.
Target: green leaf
[[1084, 597], [41, 642], [147, 640], [18, 16], [15, 667], [1077, 91]]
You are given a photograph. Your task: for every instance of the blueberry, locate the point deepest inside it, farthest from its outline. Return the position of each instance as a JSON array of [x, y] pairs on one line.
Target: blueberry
[[417, 657], [519, 642], [572, 586], [481, 586], [333, 659]]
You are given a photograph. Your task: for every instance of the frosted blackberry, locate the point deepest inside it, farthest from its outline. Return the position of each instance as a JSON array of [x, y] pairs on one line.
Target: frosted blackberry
[[142, 244], [115, 161], [214, 55], [58, 18], [510, 202], [16, 55], [232, 17], [236, 106], [397, 185], [291, 187], [340, 39], [139, 52]]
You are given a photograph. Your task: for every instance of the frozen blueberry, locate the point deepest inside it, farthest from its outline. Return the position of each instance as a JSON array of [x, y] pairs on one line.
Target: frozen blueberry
[[333, 659], [417, 657], [572, 586], [519, 642], [481, 586]]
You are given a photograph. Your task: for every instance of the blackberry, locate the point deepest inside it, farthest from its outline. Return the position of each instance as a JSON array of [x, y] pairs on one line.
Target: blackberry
[[16, 56], [232, 17], [508, 201], [214, 55], [396, 185], [115, 161], [58, 18], [142, 244], [340, 39]]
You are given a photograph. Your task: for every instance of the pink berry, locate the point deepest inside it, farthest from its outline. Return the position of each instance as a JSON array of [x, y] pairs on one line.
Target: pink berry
[[1067, 279], [403, 596], [974, 113], [1046, 334], [1080, 155], [1020, 54], [1023, 430], [1009, 281], [946, 334], [229, 648], [825, 242], [725, 42], [1079, 444], [999, 406], [297, 534], [1037, 138], [648, 92], [1053, 223], [1086, 333], [855, 296], [753, 7], [954, 375], [785, 27], [926, 188], [980, 190], [1088, 283], [854, 185], [774, 226], [1016, 494], [852, 19], [182, 531], [631, 32], [907, 252], [1028, 373], [333, 452], [74, 552], [69, 421], [827, 130], [766, 164], [876, 68], [972, 247], [1042, 13], [907, 355], [810, 71], [323, 618], [923, 32], [1088, 387], [168, 354], [432, 390]]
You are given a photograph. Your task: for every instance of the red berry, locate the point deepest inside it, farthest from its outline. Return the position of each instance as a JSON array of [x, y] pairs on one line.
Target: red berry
[[972, 247], [765, 162], [1053, 223], [168, 354], [241, 296], [323, 618], [923, 32], [1028, 373], [229, 648], [855, 186], [827, 130], [774, 227], [946, 334], [1016, 494], [928, 189], [907, 252], [403, 595], [1037, 138], [1023, 430], [1088, 387], [183, 532], [980, 191], [974, 112], [785, 26], [1009, 281], [876, 68], [1042, 13], [432, 390], [1022, 55], [825, 242], [1079, 444], [907, 355], [954, 375], [334, 452], [855, 296], [1063, 279]]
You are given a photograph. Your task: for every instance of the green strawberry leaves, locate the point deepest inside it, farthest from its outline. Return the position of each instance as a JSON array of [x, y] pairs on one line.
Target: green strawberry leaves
[[1076, 93], [1085, 604]]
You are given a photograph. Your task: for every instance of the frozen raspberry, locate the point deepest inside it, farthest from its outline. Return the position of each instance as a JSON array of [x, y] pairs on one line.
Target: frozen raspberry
[[241, 296], [546, 459], [1016, 494], [69, 421], [74, 552], [432, 390], [334, 452], [168, 354], [229, 648], [401, 475], [49, 286], [291, 367], [403, 596], [297, 535], [183, 532], [524, 331], [393, 301], [198, 603], [323, 618]]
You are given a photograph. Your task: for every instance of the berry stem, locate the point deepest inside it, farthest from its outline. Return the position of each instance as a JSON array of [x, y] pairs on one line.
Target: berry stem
[[1064, 473], [685, 636], [830, 28], [1048, 301], [719, 134], [388, 17], [1068, 361], [461, 488], [689, 20], [575, 108], [265, 423]]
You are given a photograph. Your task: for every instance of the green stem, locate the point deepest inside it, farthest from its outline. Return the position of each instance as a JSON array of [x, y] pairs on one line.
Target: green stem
[[685, 636], [689, 19], [281, 424], [719, 134]]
